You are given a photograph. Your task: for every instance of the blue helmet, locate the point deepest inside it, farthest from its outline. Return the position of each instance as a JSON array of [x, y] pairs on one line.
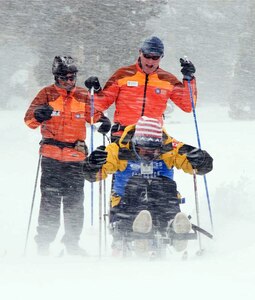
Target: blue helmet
[[153, 45]]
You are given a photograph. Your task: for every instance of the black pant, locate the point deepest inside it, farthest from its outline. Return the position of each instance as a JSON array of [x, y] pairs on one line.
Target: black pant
[[157, 195], [61, 181]]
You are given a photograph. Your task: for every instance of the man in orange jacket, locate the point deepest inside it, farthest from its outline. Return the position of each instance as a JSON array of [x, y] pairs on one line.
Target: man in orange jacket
[[62, 110], [144, 88]]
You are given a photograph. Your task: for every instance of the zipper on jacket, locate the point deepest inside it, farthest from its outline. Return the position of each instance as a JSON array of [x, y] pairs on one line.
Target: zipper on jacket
[[144, 94]]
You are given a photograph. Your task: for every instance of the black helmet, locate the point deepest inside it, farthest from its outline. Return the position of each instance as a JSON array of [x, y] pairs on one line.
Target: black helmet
[[63, 65]]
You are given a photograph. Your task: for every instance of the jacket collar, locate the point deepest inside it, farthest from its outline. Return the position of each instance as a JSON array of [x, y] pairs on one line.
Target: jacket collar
[[139, 67], [64, 92]]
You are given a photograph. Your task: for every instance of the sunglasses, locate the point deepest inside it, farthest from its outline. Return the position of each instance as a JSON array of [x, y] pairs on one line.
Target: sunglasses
[[66, 78], [153, 57]]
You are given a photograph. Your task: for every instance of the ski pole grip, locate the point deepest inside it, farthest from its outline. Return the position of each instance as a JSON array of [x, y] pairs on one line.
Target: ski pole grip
[[185, 57], [92, 91]]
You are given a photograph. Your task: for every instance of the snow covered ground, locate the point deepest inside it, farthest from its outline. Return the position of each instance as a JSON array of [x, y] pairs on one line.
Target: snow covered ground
[[226, 271]]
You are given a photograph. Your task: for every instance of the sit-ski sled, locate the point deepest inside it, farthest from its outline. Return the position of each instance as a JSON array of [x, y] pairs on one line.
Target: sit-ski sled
[[153, 244]]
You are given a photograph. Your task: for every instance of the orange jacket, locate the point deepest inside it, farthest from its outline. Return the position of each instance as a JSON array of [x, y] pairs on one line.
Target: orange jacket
[[68, 123], [136, 94]]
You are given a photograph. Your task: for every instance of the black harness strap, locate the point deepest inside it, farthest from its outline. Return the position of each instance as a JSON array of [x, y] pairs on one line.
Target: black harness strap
[[117, 127], [59, 144]]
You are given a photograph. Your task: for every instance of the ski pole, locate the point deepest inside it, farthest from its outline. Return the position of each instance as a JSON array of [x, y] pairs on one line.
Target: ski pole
[[91, 149], [105, 213], [197, 210], [199, 145], [100, 209], [100, 213], [32, 204]]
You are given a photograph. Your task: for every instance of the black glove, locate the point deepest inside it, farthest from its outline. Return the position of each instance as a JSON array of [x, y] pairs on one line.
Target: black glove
[[200, 160], [97, 158], [196, 157], [188, 69], [93, 81], [105, 126], [43, 113]]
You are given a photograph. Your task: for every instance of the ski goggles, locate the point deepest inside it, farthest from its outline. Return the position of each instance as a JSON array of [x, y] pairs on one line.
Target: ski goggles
[[148, 153], [67, 78], [153, 57]]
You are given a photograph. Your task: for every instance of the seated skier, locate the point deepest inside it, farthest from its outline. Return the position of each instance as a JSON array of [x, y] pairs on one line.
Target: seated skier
[[146, 196]]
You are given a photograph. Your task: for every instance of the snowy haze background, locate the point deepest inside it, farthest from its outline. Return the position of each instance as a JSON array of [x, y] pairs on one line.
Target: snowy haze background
[[214, 35], [226, 269]]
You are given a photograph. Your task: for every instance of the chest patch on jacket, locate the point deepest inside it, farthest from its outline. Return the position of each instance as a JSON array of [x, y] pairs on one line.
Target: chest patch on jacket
[[55, 113], [132, 83], [147, 168], [78, 116]]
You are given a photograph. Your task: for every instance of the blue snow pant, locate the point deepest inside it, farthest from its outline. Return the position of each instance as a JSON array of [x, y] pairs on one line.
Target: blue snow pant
[[60, 182]]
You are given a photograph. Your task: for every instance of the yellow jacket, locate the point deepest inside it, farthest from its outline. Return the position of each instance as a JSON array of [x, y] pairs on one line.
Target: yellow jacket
[[122, 160]]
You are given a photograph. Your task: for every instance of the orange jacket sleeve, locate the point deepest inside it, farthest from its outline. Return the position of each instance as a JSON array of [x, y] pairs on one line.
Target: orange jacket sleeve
[[40, 99], [180, 95]]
